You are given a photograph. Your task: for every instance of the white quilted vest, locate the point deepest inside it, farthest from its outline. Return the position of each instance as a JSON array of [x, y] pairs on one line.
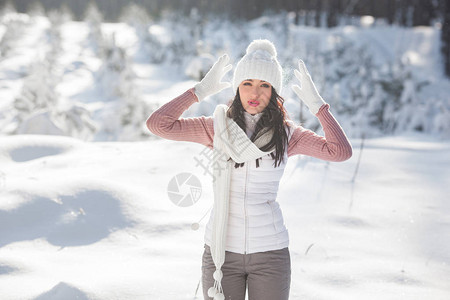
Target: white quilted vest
[[255, 221]]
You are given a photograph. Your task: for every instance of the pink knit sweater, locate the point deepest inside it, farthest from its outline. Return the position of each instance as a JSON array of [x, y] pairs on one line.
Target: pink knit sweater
[[166, 123]]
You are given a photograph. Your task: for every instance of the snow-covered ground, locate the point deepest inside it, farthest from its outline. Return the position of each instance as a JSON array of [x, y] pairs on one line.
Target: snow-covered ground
[[94, 221]]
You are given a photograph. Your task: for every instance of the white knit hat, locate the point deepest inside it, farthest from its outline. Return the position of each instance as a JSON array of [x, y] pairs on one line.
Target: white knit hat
[[259, 62]]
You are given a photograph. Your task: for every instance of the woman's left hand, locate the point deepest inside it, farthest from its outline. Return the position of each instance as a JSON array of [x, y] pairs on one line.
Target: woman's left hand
[[308, 92]]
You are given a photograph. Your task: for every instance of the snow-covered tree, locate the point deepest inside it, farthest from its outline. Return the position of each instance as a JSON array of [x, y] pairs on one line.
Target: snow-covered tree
[[54, 39], [95, 40], [136, 16], [400, 98], [350, 67], [35, 107], [66, 13], [77, 120], [38, 91], [173, 40], [133, 115], [371, 99], [14, 25], [441, 122], [36, 9], [39, 109], [200, 65], [115, 75], [126, 115]]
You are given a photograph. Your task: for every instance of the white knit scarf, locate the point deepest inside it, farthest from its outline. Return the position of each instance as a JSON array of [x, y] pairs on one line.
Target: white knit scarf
[[229, 141]]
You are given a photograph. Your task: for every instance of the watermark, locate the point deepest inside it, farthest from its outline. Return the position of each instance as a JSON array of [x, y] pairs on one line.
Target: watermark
[[209, 158], [215, 159], [184, 189]]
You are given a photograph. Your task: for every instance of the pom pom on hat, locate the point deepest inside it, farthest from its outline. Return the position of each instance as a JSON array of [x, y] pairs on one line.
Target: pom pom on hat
[[259, 62], [264, 45]]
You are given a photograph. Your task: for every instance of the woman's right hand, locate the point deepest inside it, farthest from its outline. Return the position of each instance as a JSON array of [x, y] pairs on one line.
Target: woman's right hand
[[211, 84]]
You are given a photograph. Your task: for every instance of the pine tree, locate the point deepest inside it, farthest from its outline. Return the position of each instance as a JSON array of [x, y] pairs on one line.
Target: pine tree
[[36, 9], [16, 25], [38, 95], [39, 109], [128, 113], [114, 75], [95, 40], [136, 16]]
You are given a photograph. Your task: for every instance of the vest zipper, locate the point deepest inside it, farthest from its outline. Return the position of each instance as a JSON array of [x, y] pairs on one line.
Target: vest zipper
[[245, 209]]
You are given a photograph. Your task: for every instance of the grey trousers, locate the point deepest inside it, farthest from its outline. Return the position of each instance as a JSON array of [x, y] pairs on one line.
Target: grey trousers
[[267, 275]]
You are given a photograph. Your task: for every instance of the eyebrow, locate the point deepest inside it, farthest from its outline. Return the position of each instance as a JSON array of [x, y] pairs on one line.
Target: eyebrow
[[252, 80]]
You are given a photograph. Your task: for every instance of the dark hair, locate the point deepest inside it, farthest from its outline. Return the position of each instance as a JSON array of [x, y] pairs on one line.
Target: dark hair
[[274, 116]]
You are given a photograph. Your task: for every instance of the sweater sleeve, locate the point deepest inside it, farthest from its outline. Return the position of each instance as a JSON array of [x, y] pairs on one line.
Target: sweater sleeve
[[166, 122], [333, 147]]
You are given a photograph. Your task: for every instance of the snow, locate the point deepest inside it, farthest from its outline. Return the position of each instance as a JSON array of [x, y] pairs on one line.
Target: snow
[[94, 220], [126, 69], [85, 218]]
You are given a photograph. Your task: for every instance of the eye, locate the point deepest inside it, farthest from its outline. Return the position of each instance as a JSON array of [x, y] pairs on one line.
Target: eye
[[265, 85], [247, 83]]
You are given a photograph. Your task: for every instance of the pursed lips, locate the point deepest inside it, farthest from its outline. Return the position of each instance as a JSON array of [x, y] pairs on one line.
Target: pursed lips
[[253, 103]]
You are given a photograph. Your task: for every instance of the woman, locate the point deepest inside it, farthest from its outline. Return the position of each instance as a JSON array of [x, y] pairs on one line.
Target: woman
[[246, 241]]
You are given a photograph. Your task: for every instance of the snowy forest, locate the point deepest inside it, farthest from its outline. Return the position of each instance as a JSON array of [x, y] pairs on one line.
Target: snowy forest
[[382, 75], [87, 209]]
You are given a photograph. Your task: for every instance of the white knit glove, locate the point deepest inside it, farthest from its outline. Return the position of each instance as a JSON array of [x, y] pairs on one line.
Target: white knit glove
[[308, 92], [211, 84]]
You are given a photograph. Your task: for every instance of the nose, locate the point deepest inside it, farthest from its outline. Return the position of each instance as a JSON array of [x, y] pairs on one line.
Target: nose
[[255, 91]]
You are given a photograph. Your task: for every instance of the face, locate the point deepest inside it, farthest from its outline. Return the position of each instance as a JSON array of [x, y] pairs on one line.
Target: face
[[255, 95]]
